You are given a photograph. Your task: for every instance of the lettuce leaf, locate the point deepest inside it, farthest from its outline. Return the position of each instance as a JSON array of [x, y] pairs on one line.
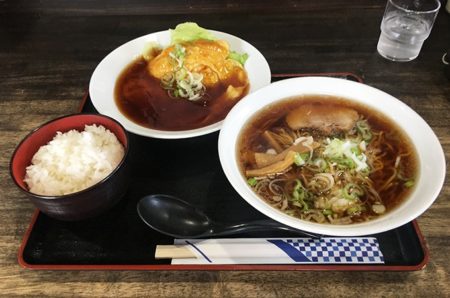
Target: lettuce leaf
[[241, 58], [189, 31]]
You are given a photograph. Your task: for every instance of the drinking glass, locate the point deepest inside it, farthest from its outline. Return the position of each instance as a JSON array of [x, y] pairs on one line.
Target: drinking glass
[[405, 26]]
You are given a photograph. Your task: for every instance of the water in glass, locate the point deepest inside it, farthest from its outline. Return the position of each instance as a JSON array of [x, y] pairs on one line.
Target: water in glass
[[402, 37]]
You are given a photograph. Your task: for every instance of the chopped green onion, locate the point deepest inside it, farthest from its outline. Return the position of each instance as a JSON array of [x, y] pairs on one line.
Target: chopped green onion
[[305, 206], [409, 183], [344, 163], [180, 51], [298, 159], [340, 151], [299, 194], [321, 164], [352, 191], [252, 181], [327, 212], [364, 129], [182, 82], [355, 150], [298, 204], [354, 210]]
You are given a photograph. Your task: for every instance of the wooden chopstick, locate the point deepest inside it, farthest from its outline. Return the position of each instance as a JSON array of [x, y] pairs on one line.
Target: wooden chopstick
[[173, 252]]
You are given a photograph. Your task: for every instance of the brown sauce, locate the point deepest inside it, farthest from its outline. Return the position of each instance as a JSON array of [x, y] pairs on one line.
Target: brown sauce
[[141, 99]]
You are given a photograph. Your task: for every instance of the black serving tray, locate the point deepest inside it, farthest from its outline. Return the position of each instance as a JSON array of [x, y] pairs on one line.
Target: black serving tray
[[189, 169]]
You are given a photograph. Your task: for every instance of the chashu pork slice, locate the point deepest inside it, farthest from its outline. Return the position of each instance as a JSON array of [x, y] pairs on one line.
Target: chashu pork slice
[[326, 118]]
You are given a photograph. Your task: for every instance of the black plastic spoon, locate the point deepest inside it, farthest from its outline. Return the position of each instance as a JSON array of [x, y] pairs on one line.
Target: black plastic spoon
[[174, 217]]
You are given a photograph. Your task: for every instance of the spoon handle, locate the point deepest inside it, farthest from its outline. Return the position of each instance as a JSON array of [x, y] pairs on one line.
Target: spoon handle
[[258, 226]]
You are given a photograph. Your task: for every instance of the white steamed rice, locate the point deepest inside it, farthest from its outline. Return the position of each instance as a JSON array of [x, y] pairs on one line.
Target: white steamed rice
[[74, 161]]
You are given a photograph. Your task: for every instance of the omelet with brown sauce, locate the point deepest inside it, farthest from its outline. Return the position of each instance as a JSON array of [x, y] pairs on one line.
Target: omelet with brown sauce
[[210, 59]]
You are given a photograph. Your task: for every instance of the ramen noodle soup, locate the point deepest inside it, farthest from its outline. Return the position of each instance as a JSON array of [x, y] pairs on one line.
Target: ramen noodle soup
[[326, 159]]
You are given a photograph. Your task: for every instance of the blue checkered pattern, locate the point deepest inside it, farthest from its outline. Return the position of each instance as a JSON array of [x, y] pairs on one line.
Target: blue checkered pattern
[[338, 250]]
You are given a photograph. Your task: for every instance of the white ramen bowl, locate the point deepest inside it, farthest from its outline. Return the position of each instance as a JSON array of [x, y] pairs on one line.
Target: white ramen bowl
[[430, 154], [103, 80]]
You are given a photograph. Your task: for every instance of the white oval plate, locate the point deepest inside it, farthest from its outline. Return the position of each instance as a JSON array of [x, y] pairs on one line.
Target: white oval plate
[[103, 80], [429, 150]]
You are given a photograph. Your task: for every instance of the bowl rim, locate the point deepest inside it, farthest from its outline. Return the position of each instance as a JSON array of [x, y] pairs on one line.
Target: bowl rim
[[263, 75], [85, 190], [231, 130]]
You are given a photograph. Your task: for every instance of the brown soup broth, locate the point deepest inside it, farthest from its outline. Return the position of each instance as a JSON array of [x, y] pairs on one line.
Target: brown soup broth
[[140, 97], [251, 140]]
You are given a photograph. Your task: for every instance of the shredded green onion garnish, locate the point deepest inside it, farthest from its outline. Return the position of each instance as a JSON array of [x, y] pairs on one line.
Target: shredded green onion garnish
[[327, 212], [252, 181], [354, 210], [321, 164], [182, 82], [409, 183], [346, 154], [299, 194], [364, 129], [300, 159], [352, 191]]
